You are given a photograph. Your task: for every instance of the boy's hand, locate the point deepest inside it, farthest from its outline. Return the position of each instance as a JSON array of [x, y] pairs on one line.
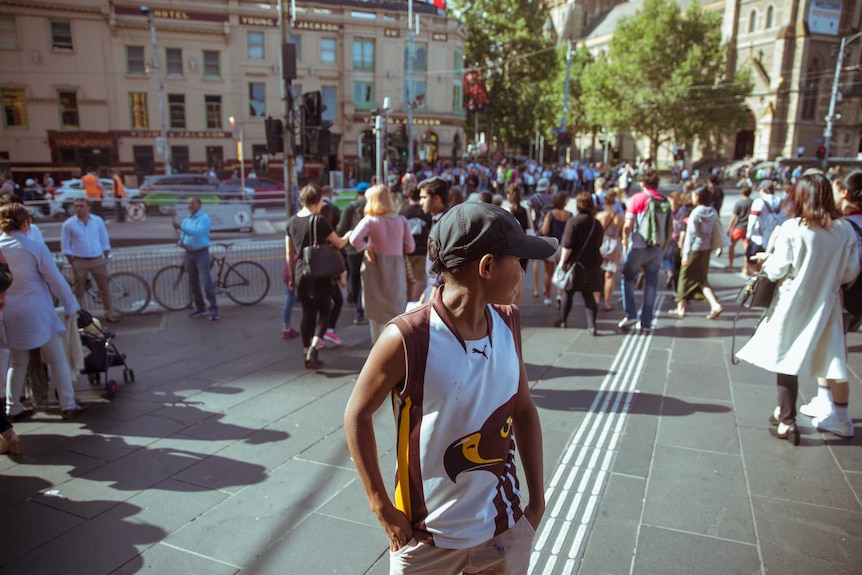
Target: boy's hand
[[534, 513], [397, 528]]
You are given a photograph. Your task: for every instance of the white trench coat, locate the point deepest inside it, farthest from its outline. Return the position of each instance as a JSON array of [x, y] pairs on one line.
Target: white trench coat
[[802, 332]]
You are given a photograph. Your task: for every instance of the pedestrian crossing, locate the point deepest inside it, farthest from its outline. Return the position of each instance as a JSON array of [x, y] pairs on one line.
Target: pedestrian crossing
[[576, 486]]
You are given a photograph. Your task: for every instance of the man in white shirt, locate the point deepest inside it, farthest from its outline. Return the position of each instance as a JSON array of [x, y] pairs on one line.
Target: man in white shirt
[[85, 244]]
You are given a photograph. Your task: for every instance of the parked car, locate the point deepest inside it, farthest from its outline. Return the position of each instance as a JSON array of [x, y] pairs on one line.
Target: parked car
[[70, 190], [166, 190], [266, 190]]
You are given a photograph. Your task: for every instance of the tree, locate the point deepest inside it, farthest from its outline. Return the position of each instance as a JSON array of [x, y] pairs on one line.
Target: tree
[[518, 63], [666, 77]]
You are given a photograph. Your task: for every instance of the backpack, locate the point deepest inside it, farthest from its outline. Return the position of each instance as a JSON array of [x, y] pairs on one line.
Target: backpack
[[542, 212], [853, 291], [657, 225], [770, 219]]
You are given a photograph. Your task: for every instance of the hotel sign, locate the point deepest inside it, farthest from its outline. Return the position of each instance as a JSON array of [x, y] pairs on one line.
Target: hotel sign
[[392, 32], [258, 21], [439, 37], [403, 121], [171, 14], [187, 134]]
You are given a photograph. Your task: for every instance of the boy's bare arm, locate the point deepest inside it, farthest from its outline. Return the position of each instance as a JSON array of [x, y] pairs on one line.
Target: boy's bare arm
[[528, 436], [383, 371]]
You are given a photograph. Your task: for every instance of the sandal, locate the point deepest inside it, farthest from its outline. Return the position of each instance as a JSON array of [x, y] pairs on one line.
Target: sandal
[[676, 313], [715, 313]]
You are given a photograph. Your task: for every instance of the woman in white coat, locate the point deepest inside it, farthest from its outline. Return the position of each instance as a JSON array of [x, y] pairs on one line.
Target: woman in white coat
[[29, 315], [814, 252]]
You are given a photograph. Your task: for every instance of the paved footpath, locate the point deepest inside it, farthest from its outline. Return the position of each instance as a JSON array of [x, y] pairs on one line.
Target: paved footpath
[[226, 456]]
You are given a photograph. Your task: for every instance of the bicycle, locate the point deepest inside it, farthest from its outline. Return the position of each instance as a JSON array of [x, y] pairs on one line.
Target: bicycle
[[130, 293], [245, 282]]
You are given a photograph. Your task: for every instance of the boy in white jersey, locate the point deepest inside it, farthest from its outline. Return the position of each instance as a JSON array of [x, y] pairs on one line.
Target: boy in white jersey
[[454, 371]]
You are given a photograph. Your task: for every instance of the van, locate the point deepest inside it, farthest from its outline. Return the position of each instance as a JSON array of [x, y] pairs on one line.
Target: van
[[167, 190]]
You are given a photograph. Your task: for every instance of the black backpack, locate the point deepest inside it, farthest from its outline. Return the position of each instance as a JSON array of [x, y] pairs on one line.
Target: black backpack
[[853, 291]]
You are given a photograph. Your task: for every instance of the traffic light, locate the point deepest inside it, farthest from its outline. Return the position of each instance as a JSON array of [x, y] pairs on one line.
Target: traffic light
[[564, 140], [274, 135], [821, 152], [312, 109]]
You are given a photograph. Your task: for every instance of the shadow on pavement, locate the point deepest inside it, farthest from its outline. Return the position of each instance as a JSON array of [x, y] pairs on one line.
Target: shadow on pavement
[[545, 373], [642, 403]]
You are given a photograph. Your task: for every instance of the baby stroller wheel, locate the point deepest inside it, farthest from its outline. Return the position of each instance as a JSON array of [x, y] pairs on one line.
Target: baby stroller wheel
[[132, 375], [111, 389], [93, 378], [126, 376]]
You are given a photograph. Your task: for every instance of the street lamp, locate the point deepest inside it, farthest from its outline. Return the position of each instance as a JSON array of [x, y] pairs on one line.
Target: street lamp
[[827, 132], [387, 105], [166, 149], [239, 146]]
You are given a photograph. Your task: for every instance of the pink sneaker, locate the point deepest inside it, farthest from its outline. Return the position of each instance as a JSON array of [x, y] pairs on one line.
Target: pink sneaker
[[289, 333], [331, 337]]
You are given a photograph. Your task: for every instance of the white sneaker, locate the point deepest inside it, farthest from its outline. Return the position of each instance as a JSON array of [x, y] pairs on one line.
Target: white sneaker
[[547, 301], [627, 322], [832, 424], [818, 407]]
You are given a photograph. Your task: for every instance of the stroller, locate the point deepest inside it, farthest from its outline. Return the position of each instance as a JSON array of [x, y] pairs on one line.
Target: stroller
[[102, 354]]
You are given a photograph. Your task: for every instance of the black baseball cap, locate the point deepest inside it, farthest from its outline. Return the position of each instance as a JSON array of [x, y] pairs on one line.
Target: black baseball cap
[[470, 230]]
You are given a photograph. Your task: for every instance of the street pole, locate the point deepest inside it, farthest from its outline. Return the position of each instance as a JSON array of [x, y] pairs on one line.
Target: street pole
[[410, 86], [387, 105], [288, 170], [378, 133], [827, 132], [166, 149], [239, 154]]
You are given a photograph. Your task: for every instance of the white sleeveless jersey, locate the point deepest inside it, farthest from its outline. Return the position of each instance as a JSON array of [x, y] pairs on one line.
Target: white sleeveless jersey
[[455, 476]]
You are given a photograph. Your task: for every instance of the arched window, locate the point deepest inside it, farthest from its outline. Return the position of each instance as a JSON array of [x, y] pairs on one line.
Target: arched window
[[770, 16], [752, 21], [810, 91]]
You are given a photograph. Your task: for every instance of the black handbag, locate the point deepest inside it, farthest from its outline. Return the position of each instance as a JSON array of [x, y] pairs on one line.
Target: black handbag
[[564, 278], [757, 293], [5, 277], [321, 260]]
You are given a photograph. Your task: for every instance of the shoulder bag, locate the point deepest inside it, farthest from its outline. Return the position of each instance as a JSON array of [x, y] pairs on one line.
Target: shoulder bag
[[757, 293], [321, 260], [564, 277]]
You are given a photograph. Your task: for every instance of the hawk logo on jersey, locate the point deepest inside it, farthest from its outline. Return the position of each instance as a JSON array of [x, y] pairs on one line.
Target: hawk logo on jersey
[[488, 448]]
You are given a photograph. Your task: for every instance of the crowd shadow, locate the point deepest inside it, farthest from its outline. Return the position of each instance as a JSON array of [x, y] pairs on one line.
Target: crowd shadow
[[547, 372], [112, 541], [642, 403]]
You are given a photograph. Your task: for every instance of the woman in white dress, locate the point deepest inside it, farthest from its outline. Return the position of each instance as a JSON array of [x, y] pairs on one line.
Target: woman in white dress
[[802, 333], [29, 315]]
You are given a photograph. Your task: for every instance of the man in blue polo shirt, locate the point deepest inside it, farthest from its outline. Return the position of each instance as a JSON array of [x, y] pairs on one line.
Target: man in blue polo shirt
[[195, 239]]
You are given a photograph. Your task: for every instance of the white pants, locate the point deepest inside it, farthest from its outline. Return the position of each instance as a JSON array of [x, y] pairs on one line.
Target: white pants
[[60, 374]]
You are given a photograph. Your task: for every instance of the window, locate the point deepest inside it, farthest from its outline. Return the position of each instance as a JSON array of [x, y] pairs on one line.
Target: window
[[140, 114], [457, 84], [180, 159], [297, 40], [213, 107], [177, 111], [752, 21], [61, 35], [144, 161], [770, 16], [810, 91], [328, 51], [212, 64], [418, 93], [173, 62], [135, 60], [420, 61], [254, 45], [14, 107], [329, 97], [256, 99], [363, 95], [8, 31], [363, 55], [69, 109]]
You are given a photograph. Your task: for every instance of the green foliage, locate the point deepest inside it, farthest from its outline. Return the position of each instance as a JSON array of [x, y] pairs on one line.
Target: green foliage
[[665, 77], [519, 64]]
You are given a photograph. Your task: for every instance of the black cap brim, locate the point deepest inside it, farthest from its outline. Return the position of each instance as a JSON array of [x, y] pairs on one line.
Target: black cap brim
[[534, 248]]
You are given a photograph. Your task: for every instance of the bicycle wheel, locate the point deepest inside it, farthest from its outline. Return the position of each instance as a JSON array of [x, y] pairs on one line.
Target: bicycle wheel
[[171, 288], [129, 292], [246, 283]]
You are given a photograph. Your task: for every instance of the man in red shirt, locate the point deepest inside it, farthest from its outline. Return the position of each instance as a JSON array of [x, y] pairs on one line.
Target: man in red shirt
[[640, 253]]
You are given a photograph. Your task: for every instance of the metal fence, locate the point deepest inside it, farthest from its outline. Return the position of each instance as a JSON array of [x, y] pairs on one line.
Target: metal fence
[[269, 254]]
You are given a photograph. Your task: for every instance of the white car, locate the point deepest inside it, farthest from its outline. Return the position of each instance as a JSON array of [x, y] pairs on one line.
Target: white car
[[69, 190]]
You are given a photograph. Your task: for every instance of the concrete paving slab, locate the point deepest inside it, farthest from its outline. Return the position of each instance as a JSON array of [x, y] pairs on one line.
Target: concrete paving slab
[[163, 558], [636, 446], [351, 504], [261, 514], [678, 553], [701, 381], [713, 429], [29, 525], [611, 543], [806, 473], [699, 492], [801, 538]]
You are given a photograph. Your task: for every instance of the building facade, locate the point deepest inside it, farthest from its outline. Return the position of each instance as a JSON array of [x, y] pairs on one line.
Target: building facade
[[791, 48], [80, 88]]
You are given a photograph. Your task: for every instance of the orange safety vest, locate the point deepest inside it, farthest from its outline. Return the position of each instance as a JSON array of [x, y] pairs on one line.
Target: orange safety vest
[[118, 188], [91, 187]]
